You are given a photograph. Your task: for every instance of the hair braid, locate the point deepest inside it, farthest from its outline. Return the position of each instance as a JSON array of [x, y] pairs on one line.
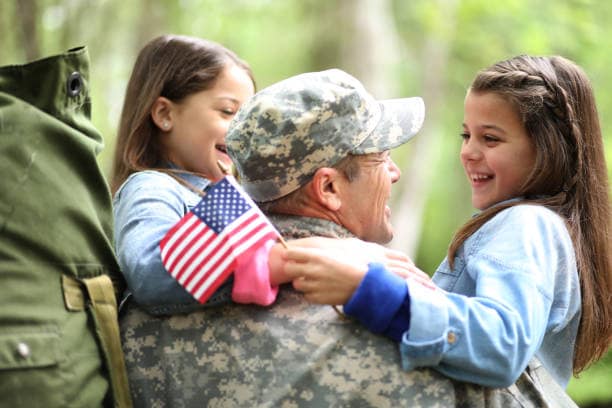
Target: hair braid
[[556, 105]]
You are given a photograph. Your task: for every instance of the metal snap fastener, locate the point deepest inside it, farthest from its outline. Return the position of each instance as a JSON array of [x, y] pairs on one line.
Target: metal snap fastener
[[451, 338], [23, 350], [74, 84]]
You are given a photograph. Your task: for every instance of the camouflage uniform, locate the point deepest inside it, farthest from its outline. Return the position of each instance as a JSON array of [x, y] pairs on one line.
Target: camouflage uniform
[[292, 354], [59, 337], [296, 354]]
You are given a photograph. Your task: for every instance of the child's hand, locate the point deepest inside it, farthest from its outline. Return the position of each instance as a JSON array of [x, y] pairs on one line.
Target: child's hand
[[329, 270], [324, 275]]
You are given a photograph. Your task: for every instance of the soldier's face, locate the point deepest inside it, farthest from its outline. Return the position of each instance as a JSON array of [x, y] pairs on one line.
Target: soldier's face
[[200, 122], [365, 210]]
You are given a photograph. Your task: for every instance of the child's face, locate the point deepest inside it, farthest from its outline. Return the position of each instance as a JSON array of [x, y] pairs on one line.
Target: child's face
[[200, 123], [497, 154]]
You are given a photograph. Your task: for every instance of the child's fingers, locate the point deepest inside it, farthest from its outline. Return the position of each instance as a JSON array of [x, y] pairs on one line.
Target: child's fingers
[[296, 267]]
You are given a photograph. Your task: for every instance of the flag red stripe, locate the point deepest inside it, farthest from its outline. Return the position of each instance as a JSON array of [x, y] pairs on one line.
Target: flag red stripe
[[224, 246], [172, 256], [216, 283], [198, 244], [204, 266], [257, 229], [171, 236], [211, 277], [200, 265], [200, 259], [220, 251], [219, 272]]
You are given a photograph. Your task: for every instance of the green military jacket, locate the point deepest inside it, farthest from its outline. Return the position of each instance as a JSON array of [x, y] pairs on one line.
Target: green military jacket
[[291, 354], [58, 332]]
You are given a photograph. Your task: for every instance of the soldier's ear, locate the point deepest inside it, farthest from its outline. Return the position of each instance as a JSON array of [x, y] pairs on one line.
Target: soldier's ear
[[161, 113], [326, 185]]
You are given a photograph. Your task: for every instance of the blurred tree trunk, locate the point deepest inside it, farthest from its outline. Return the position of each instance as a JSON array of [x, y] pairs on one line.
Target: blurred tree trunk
[[151, 23], [26, 16], [357, 36], [371, 48], [417, 175]]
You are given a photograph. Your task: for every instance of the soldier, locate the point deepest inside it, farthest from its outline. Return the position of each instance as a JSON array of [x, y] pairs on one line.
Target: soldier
[[59, 340], [312, 139]]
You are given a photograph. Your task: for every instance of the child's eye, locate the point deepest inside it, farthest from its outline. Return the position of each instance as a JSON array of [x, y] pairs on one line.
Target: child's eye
[[228, 111], [490, 138], [464, 135]]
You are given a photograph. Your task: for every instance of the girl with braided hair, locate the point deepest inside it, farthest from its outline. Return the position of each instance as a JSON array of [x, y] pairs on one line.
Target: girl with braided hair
[[526, 279]]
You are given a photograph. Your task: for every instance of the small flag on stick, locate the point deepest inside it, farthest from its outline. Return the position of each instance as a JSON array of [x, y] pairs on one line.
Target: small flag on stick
[[201, 250]]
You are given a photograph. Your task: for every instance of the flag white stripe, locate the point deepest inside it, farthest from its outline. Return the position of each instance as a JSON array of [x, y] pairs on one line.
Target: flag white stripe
[[211, 251], [206, 272], [178, 234], [218, 243], [215, 275], [186, 242], [214, 255], [252, 240], [196, 245], [246, 229], [236, 252]]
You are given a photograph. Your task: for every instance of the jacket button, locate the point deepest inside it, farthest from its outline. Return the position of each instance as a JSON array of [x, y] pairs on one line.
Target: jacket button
[[451, 338], [23, 350]]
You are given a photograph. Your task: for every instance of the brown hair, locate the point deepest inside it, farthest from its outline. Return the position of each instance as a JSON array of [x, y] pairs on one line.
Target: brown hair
[[171, 66], [555, 101]]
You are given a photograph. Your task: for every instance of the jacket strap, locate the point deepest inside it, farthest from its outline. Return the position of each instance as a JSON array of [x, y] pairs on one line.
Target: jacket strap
[[103, 305]]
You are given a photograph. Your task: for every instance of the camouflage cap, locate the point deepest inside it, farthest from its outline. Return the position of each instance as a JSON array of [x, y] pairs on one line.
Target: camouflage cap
[[283, 134]]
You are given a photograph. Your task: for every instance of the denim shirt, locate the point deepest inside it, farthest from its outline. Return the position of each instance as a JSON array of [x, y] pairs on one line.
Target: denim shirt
[[145, 207], [513, 293]]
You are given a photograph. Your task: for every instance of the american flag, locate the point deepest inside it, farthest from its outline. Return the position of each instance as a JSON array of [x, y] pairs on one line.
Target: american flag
[[200, 251]]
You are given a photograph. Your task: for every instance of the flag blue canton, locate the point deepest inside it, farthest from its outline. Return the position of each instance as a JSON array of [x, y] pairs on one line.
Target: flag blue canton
[[221, 205]]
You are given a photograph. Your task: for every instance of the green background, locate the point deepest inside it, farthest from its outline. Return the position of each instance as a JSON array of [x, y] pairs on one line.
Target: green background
[[431, 48]]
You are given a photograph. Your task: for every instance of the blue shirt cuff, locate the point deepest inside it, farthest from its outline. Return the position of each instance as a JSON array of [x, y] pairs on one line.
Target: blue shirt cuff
[[381, 302]]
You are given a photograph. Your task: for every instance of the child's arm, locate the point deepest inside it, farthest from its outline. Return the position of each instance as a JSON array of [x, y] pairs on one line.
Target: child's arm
[[258, 275], [516, 295], [146, 207], [488, 331]]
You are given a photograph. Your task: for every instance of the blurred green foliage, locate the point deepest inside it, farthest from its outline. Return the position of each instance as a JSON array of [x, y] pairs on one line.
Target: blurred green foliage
[[280, 38]]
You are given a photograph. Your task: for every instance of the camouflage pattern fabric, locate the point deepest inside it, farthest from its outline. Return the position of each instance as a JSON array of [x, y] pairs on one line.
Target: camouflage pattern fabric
[[292, 354], [287, 131]]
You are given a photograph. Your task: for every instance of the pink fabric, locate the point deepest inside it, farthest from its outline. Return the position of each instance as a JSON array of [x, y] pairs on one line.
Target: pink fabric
[[252, 278]]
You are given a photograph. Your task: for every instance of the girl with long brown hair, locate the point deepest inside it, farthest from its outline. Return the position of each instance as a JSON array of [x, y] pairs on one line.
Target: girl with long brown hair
[[528, 277], [180, 99]]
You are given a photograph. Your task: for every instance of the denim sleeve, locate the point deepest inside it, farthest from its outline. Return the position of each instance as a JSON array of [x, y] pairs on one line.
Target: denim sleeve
[[381, 302], [489, 335], [145, 209]]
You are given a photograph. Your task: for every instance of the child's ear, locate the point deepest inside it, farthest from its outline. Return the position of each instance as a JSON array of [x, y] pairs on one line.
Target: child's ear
[[161, 113], [326, 187]]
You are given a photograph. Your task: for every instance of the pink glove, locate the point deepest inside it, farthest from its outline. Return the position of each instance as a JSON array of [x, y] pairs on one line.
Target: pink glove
[[252, 278]]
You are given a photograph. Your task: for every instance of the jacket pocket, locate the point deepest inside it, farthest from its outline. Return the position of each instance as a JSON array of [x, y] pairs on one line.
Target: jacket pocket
[[29, 347], [30, 361]]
